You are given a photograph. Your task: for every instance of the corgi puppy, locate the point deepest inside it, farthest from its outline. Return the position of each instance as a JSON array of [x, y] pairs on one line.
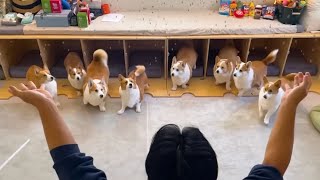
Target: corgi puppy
[[270, 96], [181, 67], [95, 87], [41, 76], [224, 66], [250, 74], [75, 69], [132, 89]]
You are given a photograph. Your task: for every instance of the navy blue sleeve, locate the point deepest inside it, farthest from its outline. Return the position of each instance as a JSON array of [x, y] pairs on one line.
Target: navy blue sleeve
[[263, 172], [71, 164]]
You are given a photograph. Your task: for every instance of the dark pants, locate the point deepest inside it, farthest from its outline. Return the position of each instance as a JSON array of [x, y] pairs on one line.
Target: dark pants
[[176, 155]]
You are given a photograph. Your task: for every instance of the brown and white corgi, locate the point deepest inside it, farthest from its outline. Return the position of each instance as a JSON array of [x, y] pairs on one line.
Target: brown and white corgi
[[75, 70], [95, 87], [182, 65], [250, 74], [225, 63], [271, 94], [41, 76], [132, 89]]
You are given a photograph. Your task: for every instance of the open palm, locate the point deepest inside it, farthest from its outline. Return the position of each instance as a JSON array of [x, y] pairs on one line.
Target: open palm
[[29, 93], [300, 89]]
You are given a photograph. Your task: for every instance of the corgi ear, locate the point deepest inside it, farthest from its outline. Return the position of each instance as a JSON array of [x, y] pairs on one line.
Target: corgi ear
[[120, 77], [174, 60], [278, 83], [217, 59], [265, 80], [103, 81], [70, 70], [183, 64], [248, 64], [90, 83], [36, 71], [238, 59]]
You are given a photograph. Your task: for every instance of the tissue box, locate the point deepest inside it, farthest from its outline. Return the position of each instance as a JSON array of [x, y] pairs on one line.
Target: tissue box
[[82, 19], [56, 6], [53, 19], [46, 6]]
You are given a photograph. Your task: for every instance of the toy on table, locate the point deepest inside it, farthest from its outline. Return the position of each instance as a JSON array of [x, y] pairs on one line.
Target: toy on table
[[56, 6], [82, 19], [27, 18], [105, 8], [239, 5], [258, 11], [251, 9], [270, 13], [264, 10], [245, 9], [302, 4], [224, 8], [292, 4], [285, 2], [239, 13], [233, 8], [10, 19]]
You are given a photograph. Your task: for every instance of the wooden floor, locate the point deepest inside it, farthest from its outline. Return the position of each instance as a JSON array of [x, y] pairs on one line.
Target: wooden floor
[[159, 87]]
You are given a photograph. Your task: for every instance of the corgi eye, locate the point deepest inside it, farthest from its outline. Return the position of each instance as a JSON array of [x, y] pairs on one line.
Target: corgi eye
[[101, 89], [44, 75], [96, 90], [126, 82], [270, 91], [240, 70], [218, 66], [74, 74], [78, 72], [222, 67], [177, 70], [172, 68]]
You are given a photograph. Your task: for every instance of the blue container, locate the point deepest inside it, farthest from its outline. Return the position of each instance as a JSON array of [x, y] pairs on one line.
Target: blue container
[[53, 19], [224, 8]]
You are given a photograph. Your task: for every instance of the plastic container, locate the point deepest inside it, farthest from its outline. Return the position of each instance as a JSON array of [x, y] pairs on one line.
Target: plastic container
[[224, 8]]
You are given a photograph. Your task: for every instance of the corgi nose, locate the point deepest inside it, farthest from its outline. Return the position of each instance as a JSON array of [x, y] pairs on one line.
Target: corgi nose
[[172, 74], [51, 78], [235, 75], [265, 96], [78, 78], [101, 96], [218, 71], [130, 85]]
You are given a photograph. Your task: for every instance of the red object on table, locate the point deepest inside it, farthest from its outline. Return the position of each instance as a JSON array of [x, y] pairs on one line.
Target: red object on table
[[105, 8], [86, 10], [56, 6], [239, 14]]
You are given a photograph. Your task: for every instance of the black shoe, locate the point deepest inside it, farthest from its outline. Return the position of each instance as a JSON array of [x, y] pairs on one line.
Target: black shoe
[[200, 161], [161, 162]]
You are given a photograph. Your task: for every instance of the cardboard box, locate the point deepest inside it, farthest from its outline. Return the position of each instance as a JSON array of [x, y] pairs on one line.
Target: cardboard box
[[82, 19], [46, 6], [56, 6], [53, 19]]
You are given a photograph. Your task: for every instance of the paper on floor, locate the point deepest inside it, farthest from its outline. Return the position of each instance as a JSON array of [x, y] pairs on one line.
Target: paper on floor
[[112, 17]]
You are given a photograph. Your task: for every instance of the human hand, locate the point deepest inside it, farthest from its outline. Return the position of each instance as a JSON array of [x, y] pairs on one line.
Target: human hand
[[294, 95], [29, 93]]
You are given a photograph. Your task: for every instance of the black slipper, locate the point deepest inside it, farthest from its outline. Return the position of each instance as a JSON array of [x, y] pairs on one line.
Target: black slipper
[[161, 161]]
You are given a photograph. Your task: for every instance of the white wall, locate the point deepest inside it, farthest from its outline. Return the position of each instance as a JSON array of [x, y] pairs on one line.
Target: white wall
[[128, 5]]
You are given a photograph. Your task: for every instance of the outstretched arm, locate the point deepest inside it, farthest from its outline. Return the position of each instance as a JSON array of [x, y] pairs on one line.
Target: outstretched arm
[[279, 149], [69, 162], [56, 131]]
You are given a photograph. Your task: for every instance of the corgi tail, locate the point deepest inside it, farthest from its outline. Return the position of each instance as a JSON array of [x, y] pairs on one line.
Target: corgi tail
[[271, 57], [140, 69], [290, 77], [100, 55]]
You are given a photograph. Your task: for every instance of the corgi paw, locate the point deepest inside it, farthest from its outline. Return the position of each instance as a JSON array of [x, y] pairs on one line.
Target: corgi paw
[[174, 88], [58, 104], [266, 121], [121, 111], [138, 110], [102, 108], [184, 86], [79, 93], [228, 88]]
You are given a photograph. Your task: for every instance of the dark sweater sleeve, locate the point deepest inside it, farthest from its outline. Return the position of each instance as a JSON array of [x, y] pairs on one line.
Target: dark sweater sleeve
[[71, 164], [263, 172]]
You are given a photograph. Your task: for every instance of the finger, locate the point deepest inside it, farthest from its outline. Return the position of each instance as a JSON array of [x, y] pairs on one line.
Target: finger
[[14, 91], [23, 87], [31, 85], [42, 86], [287, 87], [300, 75], [296, 80], [307, 81]]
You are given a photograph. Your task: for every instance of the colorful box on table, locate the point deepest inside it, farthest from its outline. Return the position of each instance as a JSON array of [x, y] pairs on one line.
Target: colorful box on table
[[46, 6], [56, 6], [53, 19], [82, 19]]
